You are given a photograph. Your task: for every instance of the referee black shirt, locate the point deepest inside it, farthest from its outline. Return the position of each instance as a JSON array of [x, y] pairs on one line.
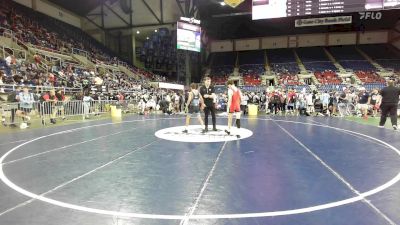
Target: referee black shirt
[[390, 95], [209, 102]]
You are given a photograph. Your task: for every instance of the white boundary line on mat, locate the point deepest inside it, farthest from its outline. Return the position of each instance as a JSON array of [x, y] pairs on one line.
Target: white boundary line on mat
[[360, 197]]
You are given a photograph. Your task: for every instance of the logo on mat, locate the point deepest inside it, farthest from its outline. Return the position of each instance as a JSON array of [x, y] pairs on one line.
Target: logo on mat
[[195, 134]]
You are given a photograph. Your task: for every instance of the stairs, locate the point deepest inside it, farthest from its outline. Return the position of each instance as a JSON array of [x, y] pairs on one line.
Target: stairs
[[300, 63], [355, 77], [315, 80], [276, 82], [263, 80], [370, 60], [129, 72], [235, 72], [84, 61], [334, 61], [267, 66], [313, 87]]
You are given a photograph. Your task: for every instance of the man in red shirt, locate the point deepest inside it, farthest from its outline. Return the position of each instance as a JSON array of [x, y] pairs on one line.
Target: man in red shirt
[[49, 101], [234, 99]]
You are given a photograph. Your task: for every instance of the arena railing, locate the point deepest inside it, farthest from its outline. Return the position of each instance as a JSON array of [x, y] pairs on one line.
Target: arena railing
[[12, 87], [120, 63], [46, 113], [7, 33], [14, 52], [45, 49], [80, 52]]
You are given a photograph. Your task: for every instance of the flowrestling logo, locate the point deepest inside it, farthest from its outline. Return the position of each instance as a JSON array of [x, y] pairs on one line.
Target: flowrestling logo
[[370, 15], [195, 134]]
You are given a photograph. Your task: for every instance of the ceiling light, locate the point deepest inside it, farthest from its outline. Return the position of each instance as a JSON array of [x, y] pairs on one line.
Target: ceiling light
[[147, 38], [156, 31], [138, 32], [222, 3]]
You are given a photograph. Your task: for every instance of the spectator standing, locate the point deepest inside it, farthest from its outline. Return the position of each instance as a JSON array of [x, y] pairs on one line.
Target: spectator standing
[[243, 103], [60, 104], [363, 102], [87, 99], [49, 106], [13, 98], [373, 102], [26, 100], [389, 103]]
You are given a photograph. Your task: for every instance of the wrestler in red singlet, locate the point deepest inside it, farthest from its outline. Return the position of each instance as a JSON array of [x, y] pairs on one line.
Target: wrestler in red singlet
[[235, 104]]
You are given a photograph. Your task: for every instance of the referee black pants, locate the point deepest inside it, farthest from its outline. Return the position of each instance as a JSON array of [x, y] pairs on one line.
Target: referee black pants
[[391, 109], [207, 111]]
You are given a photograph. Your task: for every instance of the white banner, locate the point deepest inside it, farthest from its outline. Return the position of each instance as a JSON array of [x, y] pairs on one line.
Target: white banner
[[323, 21], [171, 86]]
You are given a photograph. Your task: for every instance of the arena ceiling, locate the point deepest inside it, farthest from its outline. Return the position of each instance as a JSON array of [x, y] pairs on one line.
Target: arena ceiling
[[77, 6], [220, 22]]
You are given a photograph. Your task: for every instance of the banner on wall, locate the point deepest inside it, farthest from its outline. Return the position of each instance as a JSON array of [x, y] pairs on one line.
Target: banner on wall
[[171, 86], [323, 21]]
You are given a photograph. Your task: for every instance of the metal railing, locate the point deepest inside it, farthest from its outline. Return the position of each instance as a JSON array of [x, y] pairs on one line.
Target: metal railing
[[7, 33], [57, 61], [12, 87], [49, 112], [124, 64], [80, 52], [38, 48], [18, 53]]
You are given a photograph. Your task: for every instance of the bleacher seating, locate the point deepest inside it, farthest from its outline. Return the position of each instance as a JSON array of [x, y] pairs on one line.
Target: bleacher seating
[[159, 52], [331, 87], [251, 79], [222, 66], [288, 79], [251, 73], [350, 58], [51, 35], [328, 77], [283, 61], [393, 64], [372, 86], [251, 57], [299, 88], [291, 68], [357, 65], [383, 54], [223, 59], [315, 59], [379, 51], [319, 66], [369, 77], [219, 80], [312, 54]]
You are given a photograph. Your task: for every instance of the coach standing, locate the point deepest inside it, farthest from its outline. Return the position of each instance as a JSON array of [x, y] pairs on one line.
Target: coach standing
[[208, 93], [389, 102]]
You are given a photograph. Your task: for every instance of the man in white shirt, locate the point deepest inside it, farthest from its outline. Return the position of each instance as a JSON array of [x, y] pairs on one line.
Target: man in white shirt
[[244, 102]]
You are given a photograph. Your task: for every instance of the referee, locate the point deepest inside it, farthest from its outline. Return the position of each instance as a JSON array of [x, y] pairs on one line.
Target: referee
[[208, 94], [389, 102]]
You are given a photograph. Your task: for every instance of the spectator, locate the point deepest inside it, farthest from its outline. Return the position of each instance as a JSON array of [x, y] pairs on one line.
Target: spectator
[[26, 101], [389, 103]]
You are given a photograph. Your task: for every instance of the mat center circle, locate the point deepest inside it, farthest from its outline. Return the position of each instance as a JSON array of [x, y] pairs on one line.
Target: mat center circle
[[196, 133]]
